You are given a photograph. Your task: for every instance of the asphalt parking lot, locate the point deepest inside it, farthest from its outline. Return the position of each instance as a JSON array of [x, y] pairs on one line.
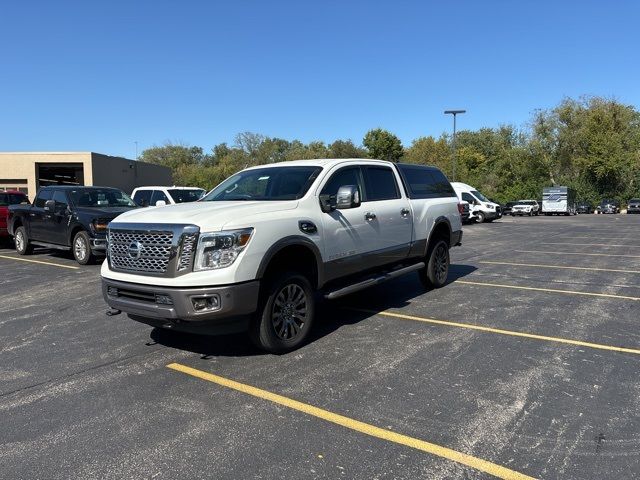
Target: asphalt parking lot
[[525, 365]]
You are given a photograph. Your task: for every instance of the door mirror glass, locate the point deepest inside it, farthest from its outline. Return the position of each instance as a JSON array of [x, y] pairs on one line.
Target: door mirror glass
[[160, 203], [348, 197], [49, 205]]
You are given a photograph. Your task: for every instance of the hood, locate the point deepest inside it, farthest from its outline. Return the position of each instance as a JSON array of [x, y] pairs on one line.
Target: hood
[[106, 212], [206, 215]]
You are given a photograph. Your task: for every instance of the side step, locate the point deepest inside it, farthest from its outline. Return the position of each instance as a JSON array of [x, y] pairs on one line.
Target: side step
[[52, 246], [369, 282]]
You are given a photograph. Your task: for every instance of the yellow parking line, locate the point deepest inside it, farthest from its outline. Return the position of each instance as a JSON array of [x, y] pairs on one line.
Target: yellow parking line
[[40, 261], [577, 253], [587, 244], [560, 266], [500, 331], [371, 430], [551, 290]]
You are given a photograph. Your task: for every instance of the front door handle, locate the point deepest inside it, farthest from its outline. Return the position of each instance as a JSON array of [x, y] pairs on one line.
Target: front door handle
[[369, 216], [405, 212]]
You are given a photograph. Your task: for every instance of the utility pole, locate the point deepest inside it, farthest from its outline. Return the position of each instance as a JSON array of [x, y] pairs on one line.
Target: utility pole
[[454, 113]]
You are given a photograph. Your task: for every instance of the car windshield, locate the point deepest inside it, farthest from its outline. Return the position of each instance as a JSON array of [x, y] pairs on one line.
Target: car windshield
[[480, 196], [100, 198], [634, 200], [11, 199], [181, 195], [272, 183]]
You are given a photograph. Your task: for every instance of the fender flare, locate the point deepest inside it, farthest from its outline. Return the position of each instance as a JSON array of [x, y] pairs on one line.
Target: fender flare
[[292, 240], [438, 221]]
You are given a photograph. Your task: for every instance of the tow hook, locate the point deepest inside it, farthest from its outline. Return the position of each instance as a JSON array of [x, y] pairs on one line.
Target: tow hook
[[112, 311]]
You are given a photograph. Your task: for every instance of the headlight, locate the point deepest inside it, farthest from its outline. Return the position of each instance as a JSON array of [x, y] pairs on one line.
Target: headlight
[[220, 249], [100, 225], [490, 207]]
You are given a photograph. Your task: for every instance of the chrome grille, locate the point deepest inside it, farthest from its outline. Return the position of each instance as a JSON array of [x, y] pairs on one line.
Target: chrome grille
[[155, 250], [189, 241]]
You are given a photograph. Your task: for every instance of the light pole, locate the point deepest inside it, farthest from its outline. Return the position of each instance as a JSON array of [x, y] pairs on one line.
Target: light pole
[[454, 113]]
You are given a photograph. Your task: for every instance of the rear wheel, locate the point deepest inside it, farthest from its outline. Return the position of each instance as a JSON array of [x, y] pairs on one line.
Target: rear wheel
[[82, 248], [287, 314], [435, 274], [22, 242]]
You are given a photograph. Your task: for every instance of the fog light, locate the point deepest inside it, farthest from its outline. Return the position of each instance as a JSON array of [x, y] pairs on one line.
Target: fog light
[[163, 299], [112, 291], [202, 304]]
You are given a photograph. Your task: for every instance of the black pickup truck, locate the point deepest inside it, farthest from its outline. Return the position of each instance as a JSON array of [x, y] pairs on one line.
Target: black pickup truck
[[68, 218]]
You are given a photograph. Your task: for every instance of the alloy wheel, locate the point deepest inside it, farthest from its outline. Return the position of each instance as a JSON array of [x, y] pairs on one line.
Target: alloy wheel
[[289, 312]]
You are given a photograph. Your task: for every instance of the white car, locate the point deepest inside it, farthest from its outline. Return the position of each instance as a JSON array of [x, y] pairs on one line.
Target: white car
[[525, 207], [161, 196], [482, 209], [252, 254]]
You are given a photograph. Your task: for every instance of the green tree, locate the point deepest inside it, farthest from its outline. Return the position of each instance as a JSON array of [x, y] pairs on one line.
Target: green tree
[[346, 149], [173, 156], [383, 145]]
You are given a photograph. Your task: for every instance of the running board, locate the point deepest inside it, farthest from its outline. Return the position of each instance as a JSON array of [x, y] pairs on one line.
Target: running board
[[52, 246], [372, 281]]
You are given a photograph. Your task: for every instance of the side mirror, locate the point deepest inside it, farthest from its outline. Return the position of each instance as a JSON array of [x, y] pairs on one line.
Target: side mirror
[[327, 203], [49, 205], [160, 203], [348, 197]]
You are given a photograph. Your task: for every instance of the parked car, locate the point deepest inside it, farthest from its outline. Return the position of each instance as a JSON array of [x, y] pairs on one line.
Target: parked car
[[160, 196], [482, 209], [9, 197], [525, 207], [608, 206], [506, 208], [68, 218], [633, 205], [584, 207], [255, 251]]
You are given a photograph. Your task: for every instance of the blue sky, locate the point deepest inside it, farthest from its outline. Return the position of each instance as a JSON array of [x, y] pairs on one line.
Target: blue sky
[[102, 75]]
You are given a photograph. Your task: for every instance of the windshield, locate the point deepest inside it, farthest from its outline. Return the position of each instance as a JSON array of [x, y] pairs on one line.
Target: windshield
[[480, 196], [271, 183], [11, 199], [100, 198], [185, 196]]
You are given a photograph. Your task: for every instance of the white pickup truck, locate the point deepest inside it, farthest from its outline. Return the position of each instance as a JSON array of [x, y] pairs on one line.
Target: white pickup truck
[[253, 254]]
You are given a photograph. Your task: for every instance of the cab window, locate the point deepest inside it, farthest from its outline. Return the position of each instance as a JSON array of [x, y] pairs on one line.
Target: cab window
[[43, 196], [467, 197], [61, 200], [344, 176], [380, 184], [157, 196], [143, 197]]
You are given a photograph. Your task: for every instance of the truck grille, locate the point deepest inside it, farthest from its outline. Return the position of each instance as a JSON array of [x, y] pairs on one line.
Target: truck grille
[[138, 251], [189, 241]]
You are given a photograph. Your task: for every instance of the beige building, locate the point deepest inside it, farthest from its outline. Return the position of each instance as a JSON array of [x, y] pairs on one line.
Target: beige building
[[28, 171]]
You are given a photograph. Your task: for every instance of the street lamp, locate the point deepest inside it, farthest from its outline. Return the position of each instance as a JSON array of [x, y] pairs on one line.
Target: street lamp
[[454, 113]]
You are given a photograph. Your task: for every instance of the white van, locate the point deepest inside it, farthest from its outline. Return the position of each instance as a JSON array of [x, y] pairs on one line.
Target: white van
[[160, 196], [482, 209]]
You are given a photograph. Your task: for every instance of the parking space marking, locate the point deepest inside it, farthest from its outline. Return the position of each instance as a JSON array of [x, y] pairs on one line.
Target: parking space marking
[[365, 428], [560, 266], [588, 244], [577, 253], [512, 333], [71, 267], [549, 290]]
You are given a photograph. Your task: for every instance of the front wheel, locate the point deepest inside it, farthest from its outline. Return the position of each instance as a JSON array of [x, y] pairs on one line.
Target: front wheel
[[480, 217], [435, 274], [287, 314], [82, 248], [23, 247]]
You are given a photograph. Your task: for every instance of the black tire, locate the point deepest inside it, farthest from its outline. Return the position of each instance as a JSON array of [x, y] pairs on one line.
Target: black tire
[[286, 315], [81, 248], [435, 274], [480, 217], [23, 247]]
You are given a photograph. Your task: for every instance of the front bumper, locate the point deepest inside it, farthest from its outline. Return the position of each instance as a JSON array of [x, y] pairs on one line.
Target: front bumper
[[99, 244], [140, 302], [633, 210]]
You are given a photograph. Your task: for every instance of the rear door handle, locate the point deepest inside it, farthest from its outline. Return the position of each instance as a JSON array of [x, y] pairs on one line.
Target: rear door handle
[[405, 212], [369, 216]]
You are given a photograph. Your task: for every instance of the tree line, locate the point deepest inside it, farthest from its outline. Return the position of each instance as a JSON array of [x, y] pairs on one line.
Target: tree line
[[591, 144]]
